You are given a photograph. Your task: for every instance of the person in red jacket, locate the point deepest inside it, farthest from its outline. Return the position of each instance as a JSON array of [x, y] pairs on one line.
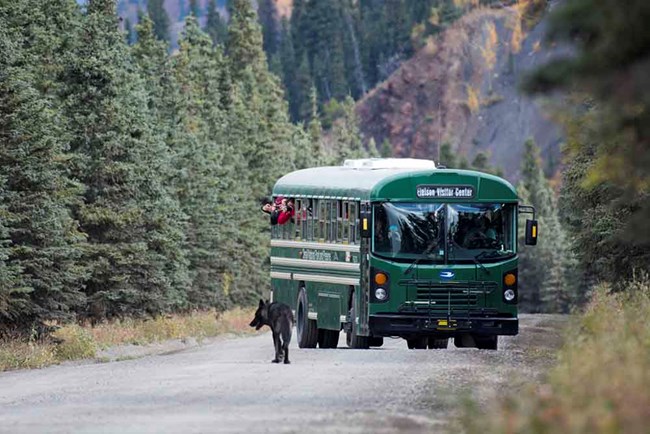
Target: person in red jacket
[[286, 211]]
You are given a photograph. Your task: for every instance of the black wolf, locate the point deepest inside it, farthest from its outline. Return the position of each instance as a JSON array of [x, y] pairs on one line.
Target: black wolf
[[279, 317]]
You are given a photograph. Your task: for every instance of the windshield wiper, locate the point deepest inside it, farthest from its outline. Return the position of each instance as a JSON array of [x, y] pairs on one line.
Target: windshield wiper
[[479, 263], [426, 255]]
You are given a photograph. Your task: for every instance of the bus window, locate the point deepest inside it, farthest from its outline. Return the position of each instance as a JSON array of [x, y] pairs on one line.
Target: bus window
[[344, 218], [308, 225], [299, 219], [332, 217], [353, 218], [339, 220], [327, 217]]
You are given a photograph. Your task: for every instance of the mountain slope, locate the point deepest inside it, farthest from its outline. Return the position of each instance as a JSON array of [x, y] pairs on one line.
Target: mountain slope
[[461, 88]]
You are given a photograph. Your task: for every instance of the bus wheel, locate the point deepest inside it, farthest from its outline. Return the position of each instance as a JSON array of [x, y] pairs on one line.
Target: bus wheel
[[438, 343], [328, 338], [376, 341], [352, 339], [487, 342], [306, 328], [417, 343]]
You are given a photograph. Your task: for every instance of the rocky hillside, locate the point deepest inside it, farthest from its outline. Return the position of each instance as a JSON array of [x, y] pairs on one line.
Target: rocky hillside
[[461, 88]]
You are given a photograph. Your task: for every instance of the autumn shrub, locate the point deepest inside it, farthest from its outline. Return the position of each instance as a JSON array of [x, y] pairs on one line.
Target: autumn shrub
[[601, 382], [21, 355], [76, 342]]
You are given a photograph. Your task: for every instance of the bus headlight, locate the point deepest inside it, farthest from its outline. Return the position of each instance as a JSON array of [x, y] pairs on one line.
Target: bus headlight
[[509, 295], [381, 294]]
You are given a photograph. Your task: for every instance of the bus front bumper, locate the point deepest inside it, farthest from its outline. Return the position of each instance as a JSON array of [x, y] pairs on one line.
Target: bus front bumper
[[398, 324]]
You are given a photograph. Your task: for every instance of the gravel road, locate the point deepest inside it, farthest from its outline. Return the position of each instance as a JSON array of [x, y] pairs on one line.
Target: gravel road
[[229, 385]]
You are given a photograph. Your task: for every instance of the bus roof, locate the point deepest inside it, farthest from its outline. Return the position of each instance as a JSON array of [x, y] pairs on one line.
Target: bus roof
[[379, 184]]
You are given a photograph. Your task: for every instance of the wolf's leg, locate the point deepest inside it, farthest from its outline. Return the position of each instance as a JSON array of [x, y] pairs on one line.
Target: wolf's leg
[[285, 346], [276, 344]]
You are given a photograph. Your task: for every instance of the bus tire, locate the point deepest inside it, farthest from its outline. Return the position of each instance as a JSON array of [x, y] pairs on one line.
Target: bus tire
[[438, 343], [306, 329], [328, 338], [352, 339], [487, 342], [417, 343], [376, 341]]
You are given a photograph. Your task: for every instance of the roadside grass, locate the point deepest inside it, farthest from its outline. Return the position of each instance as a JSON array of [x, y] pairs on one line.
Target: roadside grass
[[599, 384], [76, 342]]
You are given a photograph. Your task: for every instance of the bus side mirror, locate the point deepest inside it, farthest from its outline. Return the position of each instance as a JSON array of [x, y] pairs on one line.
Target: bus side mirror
[[531, 232], [365, 220]]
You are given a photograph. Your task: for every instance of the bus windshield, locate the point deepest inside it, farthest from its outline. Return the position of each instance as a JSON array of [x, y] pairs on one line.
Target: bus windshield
[[408, 231], [480, 231]]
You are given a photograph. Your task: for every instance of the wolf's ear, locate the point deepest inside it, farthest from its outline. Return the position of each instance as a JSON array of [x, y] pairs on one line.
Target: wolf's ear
[[261, 303]]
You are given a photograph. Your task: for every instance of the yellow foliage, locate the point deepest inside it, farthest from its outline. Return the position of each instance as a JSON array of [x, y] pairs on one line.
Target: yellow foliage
[[517, 33], [489, 50], [466, 4], [473, 101], [601, 383], [77, 343], [82, 342], [434, 17]]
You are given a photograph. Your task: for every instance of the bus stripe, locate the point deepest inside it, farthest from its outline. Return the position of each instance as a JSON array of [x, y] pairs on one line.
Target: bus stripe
[[318, 278], [315, 246], [307, 263]]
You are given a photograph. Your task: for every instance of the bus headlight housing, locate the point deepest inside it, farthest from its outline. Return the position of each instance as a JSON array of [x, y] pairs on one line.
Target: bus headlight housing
[[510, 280], [379, 286]]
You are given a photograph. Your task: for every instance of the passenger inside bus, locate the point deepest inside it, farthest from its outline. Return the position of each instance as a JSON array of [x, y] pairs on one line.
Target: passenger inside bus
[[287, 211], [269, 207]]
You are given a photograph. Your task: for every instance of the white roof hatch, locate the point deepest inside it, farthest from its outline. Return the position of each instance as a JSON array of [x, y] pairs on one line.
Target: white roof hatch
[[389, 163]]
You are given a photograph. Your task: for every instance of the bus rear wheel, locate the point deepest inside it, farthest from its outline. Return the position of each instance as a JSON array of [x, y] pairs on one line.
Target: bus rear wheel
[[376, 341], [328, 338], [306, 328], [417, 343], [352, 339], [438, 343]]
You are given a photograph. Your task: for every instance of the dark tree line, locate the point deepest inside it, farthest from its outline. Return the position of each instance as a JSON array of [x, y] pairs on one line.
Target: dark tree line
[[606, 114], [129, 177]]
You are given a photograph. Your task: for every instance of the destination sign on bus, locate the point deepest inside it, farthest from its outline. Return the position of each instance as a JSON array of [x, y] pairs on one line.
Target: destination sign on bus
[[445, 191]]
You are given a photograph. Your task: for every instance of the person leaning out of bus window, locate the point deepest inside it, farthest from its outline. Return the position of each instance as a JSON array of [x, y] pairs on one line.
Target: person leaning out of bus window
[[287, 211], [270, 208]]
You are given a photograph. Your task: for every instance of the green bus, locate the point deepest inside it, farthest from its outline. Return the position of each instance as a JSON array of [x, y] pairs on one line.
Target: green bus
[[398, 248]]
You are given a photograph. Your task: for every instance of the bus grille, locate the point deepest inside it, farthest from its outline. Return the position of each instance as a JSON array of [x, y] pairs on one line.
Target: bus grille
[[443, 294]]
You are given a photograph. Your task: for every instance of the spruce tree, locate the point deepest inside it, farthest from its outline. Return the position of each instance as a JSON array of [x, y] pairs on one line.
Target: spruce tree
[[127, 213], [158, 13], [198, 141], [543, 268], [386, 149], [346, 137], [40, 244], [215, 25], [195, 8], [269, 20], [245, 41], [447, 157]]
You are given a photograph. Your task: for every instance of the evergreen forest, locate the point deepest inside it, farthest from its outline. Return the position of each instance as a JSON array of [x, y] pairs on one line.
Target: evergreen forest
[[130, 177], [131, 171]]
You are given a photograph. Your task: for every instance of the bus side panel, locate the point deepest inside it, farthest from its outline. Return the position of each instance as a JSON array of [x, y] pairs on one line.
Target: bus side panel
[[285, 291]]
